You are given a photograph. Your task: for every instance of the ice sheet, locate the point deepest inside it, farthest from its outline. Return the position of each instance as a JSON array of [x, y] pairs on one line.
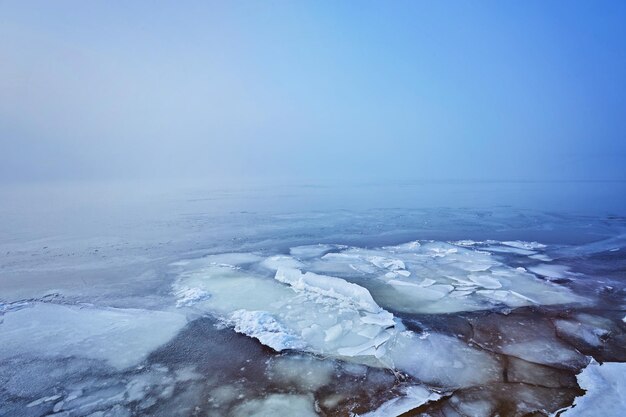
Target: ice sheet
[[312, 251], [533, 340], [461, 277], [337, 288], [585, 328], [330, 300], [605, 395], [121, 337], [550, 270], [330, 316]]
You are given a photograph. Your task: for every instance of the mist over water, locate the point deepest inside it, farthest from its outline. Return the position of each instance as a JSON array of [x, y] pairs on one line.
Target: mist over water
[[297, 92]]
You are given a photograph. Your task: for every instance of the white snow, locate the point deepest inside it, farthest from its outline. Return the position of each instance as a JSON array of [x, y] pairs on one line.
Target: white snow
[[605, 395], [122, 337], [189, 296], [263, 326]]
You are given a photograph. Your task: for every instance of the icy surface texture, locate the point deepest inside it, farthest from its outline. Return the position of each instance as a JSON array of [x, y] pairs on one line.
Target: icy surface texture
[[528, 338], [121, 337], [303, 304], [438, 277], [279, 405], [413, 397], [323, 329], [605, 395]]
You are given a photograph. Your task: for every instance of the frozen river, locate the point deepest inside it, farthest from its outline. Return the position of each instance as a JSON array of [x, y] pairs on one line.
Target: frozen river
[[414, 299]]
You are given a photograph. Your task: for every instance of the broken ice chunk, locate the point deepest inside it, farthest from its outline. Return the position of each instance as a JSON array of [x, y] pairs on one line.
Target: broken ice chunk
[[439, 263], [605, 386], [329, 287], [121, 337], [312, 251], [281, 261], [330, 316], [387, 263], [533, 340], [189, 296], [485, 281], [585, 328], [541, 257], [263, 326], [522, 371], [443, 360], [418, 292], [524, 245], [549, 270], [414, 396]]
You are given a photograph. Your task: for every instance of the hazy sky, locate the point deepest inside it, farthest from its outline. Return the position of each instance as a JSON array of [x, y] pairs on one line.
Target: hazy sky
[[322, 89]]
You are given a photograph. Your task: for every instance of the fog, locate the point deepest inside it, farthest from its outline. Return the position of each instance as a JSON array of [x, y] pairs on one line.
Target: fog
[[312, 90]]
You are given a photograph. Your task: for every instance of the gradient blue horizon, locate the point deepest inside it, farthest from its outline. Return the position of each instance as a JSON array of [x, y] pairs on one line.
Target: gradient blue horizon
[[530, 91]]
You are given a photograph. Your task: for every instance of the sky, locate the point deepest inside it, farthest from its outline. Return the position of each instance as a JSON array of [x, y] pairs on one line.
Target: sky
[[400, 90]]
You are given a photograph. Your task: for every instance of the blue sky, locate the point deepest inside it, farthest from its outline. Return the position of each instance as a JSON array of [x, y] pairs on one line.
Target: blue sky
[[488, 90]]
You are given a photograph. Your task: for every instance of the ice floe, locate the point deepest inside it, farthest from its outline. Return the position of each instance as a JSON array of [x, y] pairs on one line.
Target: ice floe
[[121, 337], [584, 328], [312, 251], [549, 270], [530, 339], [99, 394], [330, 316], [331, 300], [439, 277], [320, 314], [281, 261], [605, 387], [345, 292], [263, 326]]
